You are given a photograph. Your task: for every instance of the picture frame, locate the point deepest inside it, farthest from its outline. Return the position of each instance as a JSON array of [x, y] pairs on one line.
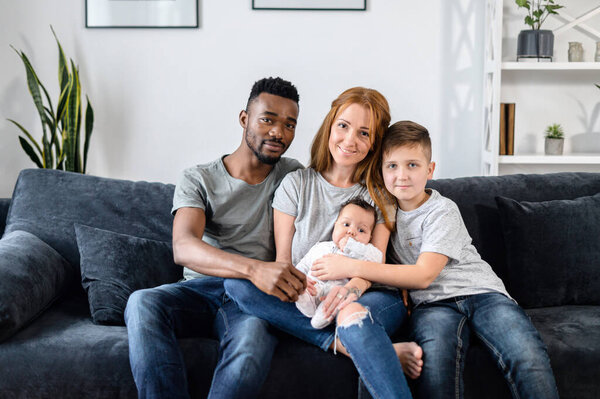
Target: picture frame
[[141, 14], [320, 5]]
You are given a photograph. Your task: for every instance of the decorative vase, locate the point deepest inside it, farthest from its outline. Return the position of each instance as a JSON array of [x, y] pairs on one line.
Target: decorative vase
[[554, 146], [575, 52], [535, 43]]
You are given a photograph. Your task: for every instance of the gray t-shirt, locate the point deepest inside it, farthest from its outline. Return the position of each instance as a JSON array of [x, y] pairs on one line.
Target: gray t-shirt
[[239, 217], [315, 203], [437, 226]]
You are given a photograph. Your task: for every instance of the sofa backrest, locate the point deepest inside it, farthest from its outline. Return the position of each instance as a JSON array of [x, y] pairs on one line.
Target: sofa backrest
[[47, 203], [475, 197]]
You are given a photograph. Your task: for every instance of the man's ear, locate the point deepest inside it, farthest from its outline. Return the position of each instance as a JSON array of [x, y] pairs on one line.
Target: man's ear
[[431, 168], [243, 119]]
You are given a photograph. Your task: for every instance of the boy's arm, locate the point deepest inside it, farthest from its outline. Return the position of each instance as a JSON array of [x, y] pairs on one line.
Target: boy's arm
[[418, 276], [280, 279]]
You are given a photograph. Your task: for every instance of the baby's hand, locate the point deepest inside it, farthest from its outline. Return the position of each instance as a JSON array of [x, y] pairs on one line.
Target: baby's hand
[[343, 242], [310, 287]]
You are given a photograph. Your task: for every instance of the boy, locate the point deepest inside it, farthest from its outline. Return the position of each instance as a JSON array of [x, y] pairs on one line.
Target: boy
[[351, 235], [453, 289]]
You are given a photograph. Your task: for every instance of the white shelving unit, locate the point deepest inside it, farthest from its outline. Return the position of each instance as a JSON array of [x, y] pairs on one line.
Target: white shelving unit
[[545, 76]]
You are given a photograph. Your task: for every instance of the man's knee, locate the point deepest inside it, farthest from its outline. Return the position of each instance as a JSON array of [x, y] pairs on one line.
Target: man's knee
[[351, 314], [141, 304], [241, 291]]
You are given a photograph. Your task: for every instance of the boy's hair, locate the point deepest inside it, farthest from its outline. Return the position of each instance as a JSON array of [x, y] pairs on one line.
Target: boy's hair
[[403, 133], [407, 133], [275, 86], [361, 203], [379, 115]]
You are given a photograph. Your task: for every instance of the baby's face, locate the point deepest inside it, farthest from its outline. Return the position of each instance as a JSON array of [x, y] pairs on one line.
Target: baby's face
[[353, 221]]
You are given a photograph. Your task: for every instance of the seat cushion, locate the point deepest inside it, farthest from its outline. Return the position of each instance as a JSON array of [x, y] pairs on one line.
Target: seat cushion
[[114, 265], [33, 276], [572, 335]]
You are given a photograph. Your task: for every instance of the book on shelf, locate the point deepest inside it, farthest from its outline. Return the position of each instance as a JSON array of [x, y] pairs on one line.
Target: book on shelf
[[510, 129], [507, 129], [502, 129]]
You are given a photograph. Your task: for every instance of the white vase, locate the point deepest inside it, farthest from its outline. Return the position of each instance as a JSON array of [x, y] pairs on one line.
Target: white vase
[[554, 146]]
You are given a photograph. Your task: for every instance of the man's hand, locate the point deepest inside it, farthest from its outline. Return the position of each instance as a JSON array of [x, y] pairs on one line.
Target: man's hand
[[280, 279]]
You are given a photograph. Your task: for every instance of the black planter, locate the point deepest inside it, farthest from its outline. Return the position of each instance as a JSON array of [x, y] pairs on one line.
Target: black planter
[[535, 43]]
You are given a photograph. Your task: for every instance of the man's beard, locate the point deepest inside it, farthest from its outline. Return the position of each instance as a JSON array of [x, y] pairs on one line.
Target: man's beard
[[262, 157]]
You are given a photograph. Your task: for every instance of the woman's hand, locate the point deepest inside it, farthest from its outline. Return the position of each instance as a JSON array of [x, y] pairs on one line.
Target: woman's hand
[[332, 267], [337, 299]]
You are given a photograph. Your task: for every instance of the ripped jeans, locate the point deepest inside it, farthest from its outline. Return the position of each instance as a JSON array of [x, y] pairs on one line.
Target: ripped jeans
[[365, 336]]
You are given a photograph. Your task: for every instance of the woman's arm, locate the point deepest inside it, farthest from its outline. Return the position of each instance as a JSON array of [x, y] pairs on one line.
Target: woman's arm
[[283, 229]]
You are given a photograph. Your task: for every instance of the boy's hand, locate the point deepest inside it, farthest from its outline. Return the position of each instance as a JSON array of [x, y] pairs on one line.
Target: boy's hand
[[332, 267]]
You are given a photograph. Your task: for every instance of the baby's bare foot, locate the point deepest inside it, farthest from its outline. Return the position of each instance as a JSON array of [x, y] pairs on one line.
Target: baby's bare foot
[[411, 358]]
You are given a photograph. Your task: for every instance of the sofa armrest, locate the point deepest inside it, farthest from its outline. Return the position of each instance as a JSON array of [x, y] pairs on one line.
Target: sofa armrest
[[4, 204], [32, 277]]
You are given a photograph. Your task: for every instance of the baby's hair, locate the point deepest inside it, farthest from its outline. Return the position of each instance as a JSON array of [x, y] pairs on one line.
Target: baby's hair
[[407, 133], [363, 204]]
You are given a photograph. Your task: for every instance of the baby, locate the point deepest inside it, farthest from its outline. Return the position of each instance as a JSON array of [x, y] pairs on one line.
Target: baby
[[350, 237]]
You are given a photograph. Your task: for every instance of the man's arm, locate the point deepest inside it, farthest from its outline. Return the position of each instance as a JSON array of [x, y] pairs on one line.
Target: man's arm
[[280, 279]]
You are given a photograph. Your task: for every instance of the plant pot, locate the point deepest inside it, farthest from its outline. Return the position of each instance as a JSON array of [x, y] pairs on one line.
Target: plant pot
[[535, 43], [554, 146]]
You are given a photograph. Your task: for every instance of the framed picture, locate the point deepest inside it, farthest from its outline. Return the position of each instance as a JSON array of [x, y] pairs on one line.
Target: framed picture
[[330, 5], [141, 13]]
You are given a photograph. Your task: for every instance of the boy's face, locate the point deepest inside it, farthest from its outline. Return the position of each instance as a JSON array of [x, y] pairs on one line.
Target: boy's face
[[406, 170], [353, 221]]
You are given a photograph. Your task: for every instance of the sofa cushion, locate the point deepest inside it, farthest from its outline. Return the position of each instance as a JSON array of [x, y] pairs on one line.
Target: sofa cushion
[[114, 265], [33, 275], [48, 203], [553, 250]]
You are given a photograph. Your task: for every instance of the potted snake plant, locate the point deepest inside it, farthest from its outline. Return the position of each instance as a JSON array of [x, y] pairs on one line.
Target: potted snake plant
[[61, 145], [536, 42]]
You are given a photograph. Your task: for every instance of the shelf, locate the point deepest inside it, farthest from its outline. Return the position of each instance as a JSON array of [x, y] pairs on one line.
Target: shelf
[[540, 159], [550, 66]]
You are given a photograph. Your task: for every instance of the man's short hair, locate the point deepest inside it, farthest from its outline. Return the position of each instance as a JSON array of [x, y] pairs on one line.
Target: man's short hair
[[275, 86], [407, 133], [361, 203]]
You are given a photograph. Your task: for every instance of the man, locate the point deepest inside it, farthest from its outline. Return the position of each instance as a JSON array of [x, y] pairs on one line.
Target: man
[[222, 229]]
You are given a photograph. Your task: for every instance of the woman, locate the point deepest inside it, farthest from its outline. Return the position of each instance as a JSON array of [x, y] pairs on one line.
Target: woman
[[344, 151]]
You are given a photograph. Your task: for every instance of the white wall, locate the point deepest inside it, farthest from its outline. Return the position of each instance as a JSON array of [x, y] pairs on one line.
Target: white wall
[[165, 99], [542, 98]]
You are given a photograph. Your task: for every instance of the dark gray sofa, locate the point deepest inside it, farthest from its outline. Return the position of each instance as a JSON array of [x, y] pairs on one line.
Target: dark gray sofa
[[60, 353]]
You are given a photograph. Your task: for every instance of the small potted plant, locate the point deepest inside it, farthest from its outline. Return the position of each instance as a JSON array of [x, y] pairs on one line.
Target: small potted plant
[[554, 140], [536, 42]]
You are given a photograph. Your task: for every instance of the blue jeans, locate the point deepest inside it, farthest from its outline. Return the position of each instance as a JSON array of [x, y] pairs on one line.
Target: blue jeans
[[366, 341], [156, 317], [443, 328]]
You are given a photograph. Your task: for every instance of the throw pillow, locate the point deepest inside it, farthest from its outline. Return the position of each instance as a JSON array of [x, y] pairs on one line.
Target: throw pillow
[[553, 250], [33, 275], [114, 265]]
